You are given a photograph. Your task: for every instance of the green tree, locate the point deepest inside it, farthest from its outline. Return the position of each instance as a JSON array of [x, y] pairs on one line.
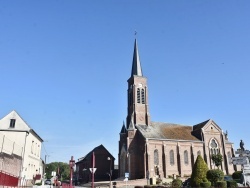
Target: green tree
[[215, 175], [62, 170], [217, 159], [199, 172]]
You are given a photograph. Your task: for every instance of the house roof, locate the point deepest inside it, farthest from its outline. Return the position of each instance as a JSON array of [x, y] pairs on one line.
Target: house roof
[[93, 150], [21, 125], [161, 130]]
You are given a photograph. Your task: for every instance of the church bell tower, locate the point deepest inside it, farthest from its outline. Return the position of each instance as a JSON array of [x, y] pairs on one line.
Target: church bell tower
[[138, 109]]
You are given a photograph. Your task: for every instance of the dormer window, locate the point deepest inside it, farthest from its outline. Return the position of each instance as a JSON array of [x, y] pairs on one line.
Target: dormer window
[[12, 123]]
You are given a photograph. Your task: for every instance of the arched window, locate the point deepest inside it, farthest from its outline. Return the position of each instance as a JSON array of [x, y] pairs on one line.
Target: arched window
[[156, 157], [138, 96], [214, 149], [171, 157], [142, 96], [186, 157]]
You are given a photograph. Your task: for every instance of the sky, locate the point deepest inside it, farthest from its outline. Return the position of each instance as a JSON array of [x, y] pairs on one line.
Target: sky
[[65, 65]]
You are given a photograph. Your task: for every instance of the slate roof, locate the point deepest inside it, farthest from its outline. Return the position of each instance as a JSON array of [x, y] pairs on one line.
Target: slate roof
[[136, 65], [200, 125], [161, 130]]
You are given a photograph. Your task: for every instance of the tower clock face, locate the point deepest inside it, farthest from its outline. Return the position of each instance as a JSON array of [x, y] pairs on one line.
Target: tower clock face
[[141, 117]]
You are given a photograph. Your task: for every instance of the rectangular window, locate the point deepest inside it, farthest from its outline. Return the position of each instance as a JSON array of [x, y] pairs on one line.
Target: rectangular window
[[12, 123]]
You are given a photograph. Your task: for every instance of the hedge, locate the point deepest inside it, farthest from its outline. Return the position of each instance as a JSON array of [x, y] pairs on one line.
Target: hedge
[[221, 184], [236, 175], [176, 183], [231, 184], [205, 184], [215, 175]]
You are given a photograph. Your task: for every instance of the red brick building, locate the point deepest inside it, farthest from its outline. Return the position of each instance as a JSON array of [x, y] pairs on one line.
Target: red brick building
[[104, 162], [163, 149]]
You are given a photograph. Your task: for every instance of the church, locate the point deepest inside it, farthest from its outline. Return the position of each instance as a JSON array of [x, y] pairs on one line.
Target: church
[[159, 149]]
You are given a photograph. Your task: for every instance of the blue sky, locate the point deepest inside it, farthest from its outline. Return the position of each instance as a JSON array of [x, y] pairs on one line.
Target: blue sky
[[65, 64]]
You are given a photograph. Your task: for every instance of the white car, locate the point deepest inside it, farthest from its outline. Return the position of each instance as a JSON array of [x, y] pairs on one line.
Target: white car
[[47, 182]]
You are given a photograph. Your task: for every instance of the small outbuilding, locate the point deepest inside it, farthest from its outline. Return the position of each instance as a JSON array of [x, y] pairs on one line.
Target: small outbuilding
[[104, 164]]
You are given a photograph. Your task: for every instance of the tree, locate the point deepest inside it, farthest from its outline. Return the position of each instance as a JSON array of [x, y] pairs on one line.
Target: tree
[[62, 170], [215, 175], [217, 159], [199, 172]]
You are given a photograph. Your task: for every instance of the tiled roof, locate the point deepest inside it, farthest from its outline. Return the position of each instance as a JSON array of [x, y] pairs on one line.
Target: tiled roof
[[160, 130]]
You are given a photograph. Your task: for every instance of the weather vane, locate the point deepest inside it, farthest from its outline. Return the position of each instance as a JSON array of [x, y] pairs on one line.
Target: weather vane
[[135, 33]]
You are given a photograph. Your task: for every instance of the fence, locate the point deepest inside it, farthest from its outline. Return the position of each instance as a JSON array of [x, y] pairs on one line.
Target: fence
[[8, 179], [10, 161]]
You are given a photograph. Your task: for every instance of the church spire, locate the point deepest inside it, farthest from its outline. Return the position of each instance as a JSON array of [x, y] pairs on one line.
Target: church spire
[[136, 66], [138, 107]]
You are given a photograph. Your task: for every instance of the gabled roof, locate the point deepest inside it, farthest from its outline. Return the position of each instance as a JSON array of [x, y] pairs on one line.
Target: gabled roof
[[93, 150], [200, 125], [159, 130], [136, 65], [20, 124]]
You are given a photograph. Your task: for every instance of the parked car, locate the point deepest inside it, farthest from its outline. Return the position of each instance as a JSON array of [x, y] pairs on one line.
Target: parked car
[[47, 182], [228, 178]]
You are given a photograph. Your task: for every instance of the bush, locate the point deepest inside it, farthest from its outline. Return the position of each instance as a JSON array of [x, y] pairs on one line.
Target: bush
[[147, 186], [238, 180], [221, 184], [215, 175], [158, 181], [231, 184], [137, 186], [176, 183], [199, 172], [205, 184], [236, 175], [39, 183]]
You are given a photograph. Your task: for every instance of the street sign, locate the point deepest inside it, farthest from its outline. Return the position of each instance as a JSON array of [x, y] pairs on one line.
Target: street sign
[[92, 170], [126, 175]]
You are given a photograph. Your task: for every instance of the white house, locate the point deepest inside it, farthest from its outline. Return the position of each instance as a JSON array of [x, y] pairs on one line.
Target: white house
[[23, 144]]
